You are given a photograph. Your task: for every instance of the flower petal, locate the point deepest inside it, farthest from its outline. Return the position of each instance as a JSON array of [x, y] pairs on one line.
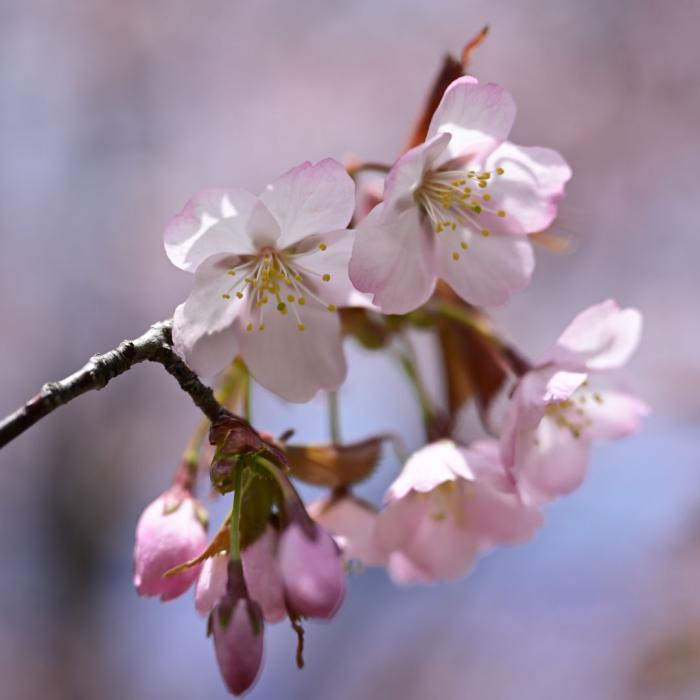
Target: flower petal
[[478, 117], [407, 173], [311, 199], [394, 260], [291, 363], [212, 222], [530, 187], [323, 262], [203, 331], [602, 337], [614, 414], [489, 270]]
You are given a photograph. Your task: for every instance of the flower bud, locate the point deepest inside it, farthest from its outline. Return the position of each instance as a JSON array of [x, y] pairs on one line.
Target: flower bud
[[238, 629], [312, 570], [170, 531], [211, 584], [262, 575]]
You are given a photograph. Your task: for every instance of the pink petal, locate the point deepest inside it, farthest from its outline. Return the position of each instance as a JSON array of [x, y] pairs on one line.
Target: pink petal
[[353, 522], [614, 414], [212, 222], [393, 259], [478, 117], [262, 575], [489, 270], [291, 363], [529, 189], [211, 584], [429, 467], [550, 462], [602, 337], [311, 199]]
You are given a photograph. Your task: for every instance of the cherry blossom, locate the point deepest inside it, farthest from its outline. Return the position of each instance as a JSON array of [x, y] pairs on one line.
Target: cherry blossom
[[270, 272], [448, 505], [458, 207], [560, 407]]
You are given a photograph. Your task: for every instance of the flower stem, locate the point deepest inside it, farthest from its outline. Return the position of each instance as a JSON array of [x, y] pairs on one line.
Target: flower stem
[[334, 417], [235, 525]]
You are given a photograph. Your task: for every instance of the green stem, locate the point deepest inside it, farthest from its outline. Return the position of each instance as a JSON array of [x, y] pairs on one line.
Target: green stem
[[334, 417], [246, 395], [408, 363], [235, 526]]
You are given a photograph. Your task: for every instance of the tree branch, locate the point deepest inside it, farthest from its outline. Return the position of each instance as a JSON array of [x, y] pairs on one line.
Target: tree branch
[[155, 345]]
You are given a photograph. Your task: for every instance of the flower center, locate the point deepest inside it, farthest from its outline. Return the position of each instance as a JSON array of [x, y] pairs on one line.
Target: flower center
[[454, 199], [276, 280], [571, 414]]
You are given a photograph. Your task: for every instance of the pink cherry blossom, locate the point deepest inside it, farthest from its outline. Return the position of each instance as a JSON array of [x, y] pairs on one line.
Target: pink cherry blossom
[[238, 631], [351, 522], [457, 207], [263, 577], [270, 272], [448, 505], [312, 571], [560, 407], [169, 533]]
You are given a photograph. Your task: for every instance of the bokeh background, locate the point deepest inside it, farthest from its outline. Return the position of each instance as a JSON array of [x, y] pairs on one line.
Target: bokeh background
[[114, 113]]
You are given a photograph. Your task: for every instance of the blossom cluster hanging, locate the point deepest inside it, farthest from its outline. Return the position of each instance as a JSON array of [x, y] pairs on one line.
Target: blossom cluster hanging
[[281, 280]]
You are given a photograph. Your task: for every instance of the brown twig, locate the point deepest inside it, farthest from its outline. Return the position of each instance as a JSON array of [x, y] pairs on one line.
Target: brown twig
[[155, 345]]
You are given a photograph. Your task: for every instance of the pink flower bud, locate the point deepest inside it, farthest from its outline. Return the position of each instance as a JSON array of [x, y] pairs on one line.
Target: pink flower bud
[[238, 628], [211, 584], [169, 533], [238, 642], [262, 575], [312, 571]]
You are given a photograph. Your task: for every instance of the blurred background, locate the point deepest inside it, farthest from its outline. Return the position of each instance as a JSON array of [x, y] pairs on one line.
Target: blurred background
[[114, 114]]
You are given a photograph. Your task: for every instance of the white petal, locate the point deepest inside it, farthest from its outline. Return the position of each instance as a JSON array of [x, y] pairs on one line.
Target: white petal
[[212, 222], [311, 199], [489, 270], [478, 117], [394, 259], [529, 188], [614, 414], [291, 363]]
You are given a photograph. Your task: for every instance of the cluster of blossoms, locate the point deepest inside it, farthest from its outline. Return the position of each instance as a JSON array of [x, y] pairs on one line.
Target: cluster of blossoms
[[280, 280]]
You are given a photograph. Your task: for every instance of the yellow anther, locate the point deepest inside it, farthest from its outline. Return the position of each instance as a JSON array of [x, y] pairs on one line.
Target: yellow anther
[[464, 245], [485, 175], [264, 300], [301, 326], [326, 277], [301, 301], [598, 397], [455, 256], [249, 327], [438, 228], [453, 226], [225, 296], [501, 213], [476, 209], [290, 297], [239, 295], [298, 277], [231, 272], [332, 307], [500, 171], [282, 307], [485, 232], [261, 327], [322, 246], [483, 183], [486, 197]]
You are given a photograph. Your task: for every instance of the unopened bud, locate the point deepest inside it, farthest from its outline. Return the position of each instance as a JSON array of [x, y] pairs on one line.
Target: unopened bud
[[312, 571], [262, 575], [169, 532]]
